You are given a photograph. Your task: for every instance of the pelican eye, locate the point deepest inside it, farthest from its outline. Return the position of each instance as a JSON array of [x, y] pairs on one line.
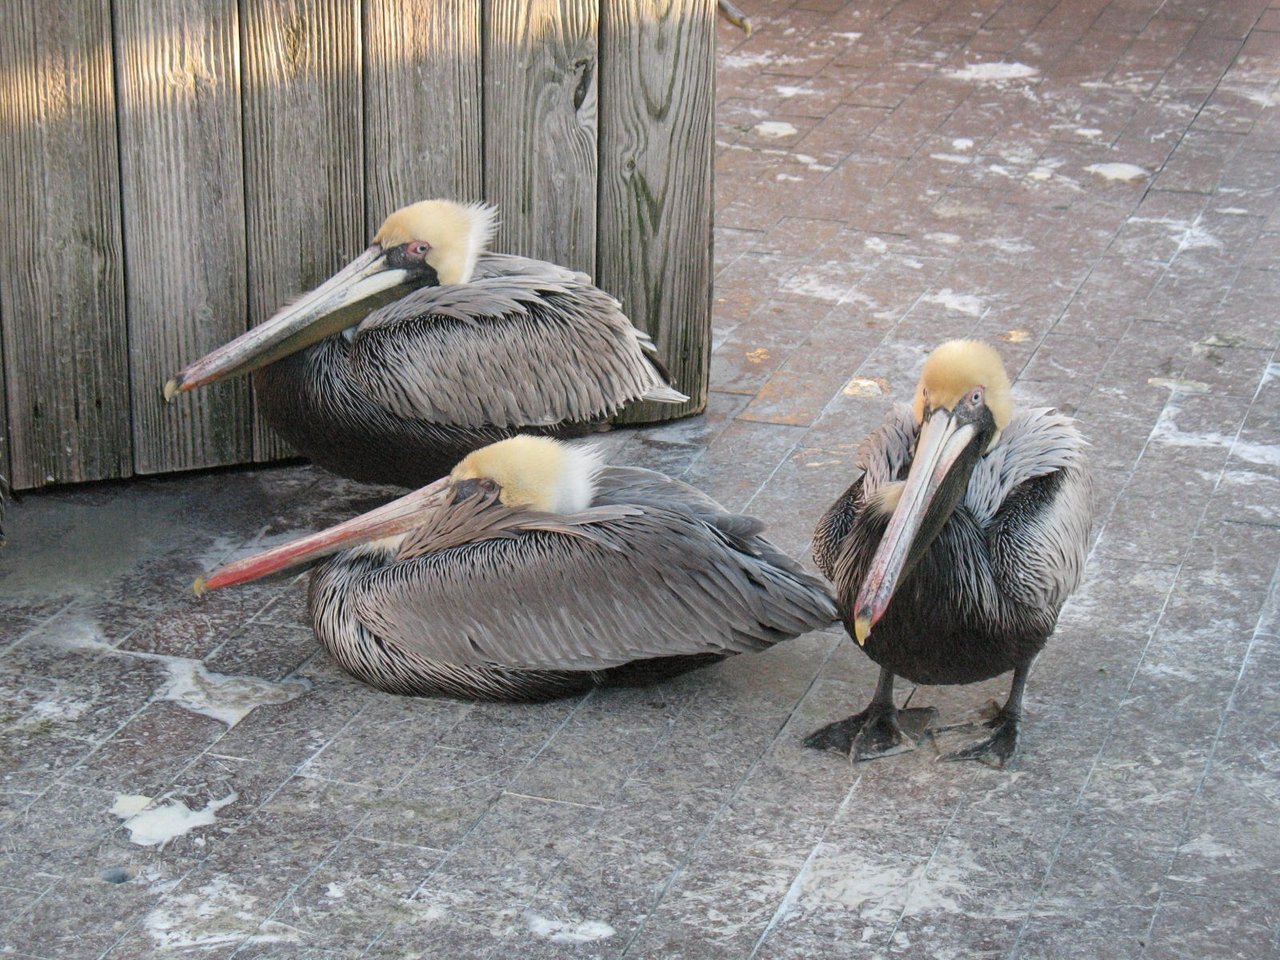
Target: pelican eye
[[477, 487], [417, 249], [975, 398]]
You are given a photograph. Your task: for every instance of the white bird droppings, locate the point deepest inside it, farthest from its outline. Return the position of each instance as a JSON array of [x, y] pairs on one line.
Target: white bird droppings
[[987, 72], [775, 129], [215, 914], [563, 931], [1127, 172], [1167, 433], [151, 826], [959, 302], [229, 699]]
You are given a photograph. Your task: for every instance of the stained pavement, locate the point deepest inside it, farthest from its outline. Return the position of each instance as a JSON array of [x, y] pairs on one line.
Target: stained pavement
[[1093, 187]]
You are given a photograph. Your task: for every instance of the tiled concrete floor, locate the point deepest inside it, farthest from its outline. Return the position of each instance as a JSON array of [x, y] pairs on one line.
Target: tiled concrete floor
[[1094, 186]]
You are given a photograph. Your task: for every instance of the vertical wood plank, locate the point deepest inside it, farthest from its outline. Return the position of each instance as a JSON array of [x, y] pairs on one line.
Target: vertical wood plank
[[61, 283], [540, 79], [423, 118], [304, 153], [182, 173], [657, 78], [5, 471]]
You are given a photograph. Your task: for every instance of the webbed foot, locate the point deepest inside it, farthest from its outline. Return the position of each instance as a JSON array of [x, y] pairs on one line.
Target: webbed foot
[[874, 733], [998, 749]]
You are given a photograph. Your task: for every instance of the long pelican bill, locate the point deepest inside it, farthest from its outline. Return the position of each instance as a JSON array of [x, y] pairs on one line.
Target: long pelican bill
[[940, 444], [335, 305], [391, 519]]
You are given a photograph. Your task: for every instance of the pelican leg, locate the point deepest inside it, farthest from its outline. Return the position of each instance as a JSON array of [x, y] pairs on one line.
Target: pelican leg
[[877, 730], [998, 749]]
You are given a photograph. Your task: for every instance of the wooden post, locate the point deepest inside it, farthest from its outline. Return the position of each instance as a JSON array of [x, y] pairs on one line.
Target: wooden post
[[184, 223], [61, 279], [540, 79], [422, 103], [656, 138], [304, 154]]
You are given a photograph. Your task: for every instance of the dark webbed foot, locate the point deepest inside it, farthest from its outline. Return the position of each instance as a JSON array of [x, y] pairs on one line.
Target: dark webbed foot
[[875, 732], [998, 749]]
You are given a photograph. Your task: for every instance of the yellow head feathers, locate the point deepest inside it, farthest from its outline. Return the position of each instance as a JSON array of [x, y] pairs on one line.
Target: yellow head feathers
[[457, 233], [535, 472], [955, 368]]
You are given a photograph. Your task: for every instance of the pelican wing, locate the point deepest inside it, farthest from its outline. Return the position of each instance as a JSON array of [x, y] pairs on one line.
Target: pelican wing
[[580, 594], [531, 348], [882, 458], [636, 485], [1032, 495], [510, 265]]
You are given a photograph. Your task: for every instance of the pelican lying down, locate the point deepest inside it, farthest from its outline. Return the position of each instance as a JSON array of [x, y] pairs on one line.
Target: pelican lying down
[[533, 571], [954, 551], [425, 348]]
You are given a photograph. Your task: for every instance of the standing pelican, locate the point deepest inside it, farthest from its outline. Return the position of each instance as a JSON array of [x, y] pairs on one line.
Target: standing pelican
[[532, 571], [425, 348], [954, 551]]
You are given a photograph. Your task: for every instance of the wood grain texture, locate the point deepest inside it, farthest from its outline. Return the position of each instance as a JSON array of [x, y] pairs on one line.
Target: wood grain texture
[[540, 80], [657, 90], [303, 151], [183, 185], [5, 469], [423, 125], [61, 279]]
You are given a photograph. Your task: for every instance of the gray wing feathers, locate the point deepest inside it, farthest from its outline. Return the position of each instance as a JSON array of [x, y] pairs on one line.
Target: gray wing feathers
[[1038, 549], [1035, 443], [510, 265], [508, 350], [636, 485], [651, 584], [887, 449], [620, 485]]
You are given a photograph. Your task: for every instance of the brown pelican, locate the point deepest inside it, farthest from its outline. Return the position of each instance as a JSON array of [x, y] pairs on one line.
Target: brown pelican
[[954, 551], [425, 347], [532, 571]]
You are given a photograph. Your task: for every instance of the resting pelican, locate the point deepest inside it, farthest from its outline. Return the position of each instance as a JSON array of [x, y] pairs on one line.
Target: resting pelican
[[425, 348], [532, 571], [954, 551]]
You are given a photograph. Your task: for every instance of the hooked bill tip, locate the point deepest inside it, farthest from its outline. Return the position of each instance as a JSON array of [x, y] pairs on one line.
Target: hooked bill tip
[[171, 389], [862, 628], [200, 586]]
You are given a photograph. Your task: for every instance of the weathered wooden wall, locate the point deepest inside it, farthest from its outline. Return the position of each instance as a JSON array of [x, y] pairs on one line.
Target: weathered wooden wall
[[302, 78], [655, 191], [171, 171], [66, 369]]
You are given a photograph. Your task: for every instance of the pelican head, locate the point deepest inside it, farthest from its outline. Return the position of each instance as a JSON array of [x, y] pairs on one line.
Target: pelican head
[[962, 404], [520, 473], [423, 244], [534, 472]]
